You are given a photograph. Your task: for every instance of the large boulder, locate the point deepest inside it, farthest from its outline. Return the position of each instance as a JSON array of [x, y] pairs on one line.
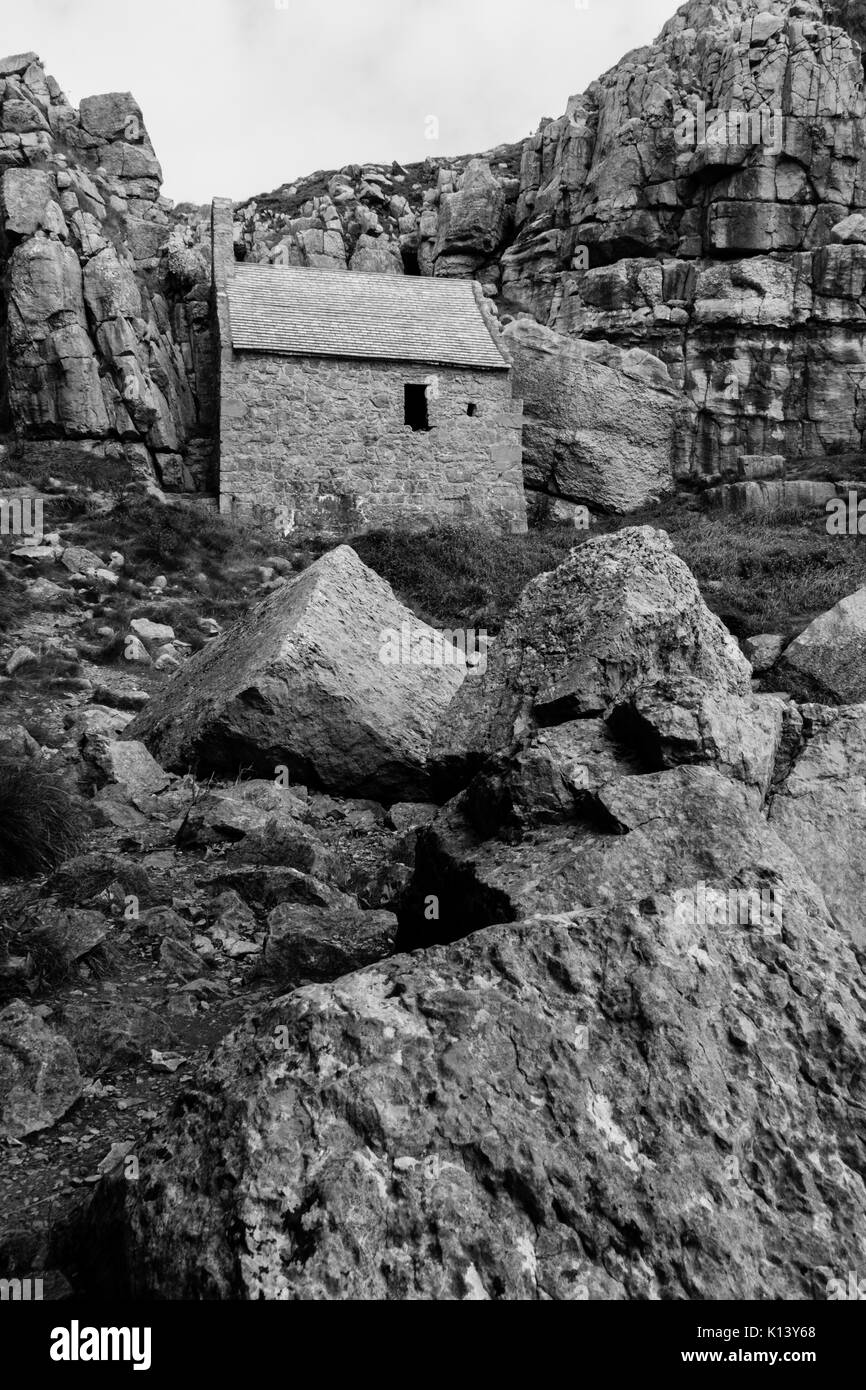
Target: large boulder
[[301, 682], [828, 660], [621, 612], [820, 811], [608, 1104], [39, 1076], [599, 422]]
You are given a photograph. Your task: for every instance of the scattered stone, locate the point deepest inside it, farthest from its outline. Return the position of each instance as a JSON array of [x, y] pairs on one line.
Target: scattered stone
[[134, 650], [314, 943], [39, 1076], [152, 632], [22, 656], [408, 815], [127, 764], [45, 591], [179, 959], [80, 561], [763, 651], [70, 934]]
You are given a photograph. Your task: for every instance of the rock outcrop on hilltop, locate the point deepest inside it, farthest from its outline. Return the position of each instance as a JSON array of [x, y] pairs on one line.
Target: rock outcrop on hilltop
[[99, 347]]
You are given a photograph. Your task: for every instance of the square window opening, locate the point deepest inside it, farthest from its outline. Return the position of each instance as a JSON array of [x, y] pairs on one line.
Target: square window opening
[[472, 409], [415, 407]]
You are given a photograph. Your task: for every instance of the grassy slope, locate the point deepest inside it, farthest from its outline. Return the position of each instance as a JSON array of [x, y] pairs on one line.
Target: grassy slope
[[760, 574]]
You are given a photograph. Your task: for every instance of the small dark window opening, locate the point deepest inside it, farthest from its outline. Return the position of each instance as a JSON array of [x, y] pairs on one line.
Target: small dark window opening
[[472, 408], [415, 400], [411, 264]]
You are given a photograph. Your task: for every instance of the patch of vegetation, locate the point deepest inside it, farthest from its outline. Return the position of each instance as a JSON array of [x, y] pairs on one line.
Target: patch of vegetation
[[51, 671], [461, 575], [770, 572], [763, 572], [181, 540], [40, 820], [14, 601]]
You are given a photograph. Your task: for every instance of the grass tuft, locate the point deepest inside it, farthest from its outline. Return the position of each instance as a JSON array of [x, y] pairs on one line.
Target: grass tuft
[[40, 820]]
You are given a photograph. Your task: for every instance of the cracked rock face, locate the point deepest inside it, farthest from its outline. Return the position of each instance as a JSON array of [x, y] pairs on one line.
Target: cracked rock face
[[820, 811], [709, 244], [596, 1105], [98, 346]]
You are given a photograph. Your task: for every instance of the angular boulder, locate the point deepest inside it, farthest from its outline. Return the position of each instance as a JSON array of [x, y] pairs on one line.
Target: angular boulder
[[827, 662], [39, 1076], [300, 682], [598, 1105], [622, 612], [599, 422], [126, 764], [318, 944]]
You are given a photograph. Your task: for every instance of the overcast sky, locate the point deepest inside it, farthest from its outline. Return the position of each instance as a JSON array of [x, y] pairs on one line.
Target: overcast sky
[[240, 96]]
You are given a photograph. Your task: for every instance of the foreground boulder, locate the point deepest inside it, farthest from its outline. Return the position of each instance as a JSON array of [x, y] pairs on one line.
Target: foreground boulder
[[622, 612], [300, 683], [607, 1104], [827, 662]]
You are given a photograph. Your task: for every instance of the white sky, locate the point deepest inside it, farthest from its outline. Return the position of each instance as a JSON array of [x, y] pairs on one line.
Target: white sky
[[240, 97]]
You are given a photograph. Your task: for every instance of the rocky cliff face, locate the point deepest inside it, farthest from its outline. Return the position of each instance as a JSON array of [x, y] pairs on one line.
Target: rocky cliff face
[[730, 249], [641, 218], [101, 346], [711, 243]]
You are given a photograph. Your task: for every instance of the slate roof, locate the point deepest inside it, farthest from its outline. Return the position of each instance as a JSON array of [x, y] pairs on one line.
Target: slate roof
[[335, 313]]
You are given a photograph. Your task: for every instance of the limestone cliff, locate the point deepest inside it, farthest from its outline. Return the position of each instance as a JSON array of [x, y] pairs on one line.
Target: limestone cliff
[[729, 249], [641, 218], [102, 351]]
